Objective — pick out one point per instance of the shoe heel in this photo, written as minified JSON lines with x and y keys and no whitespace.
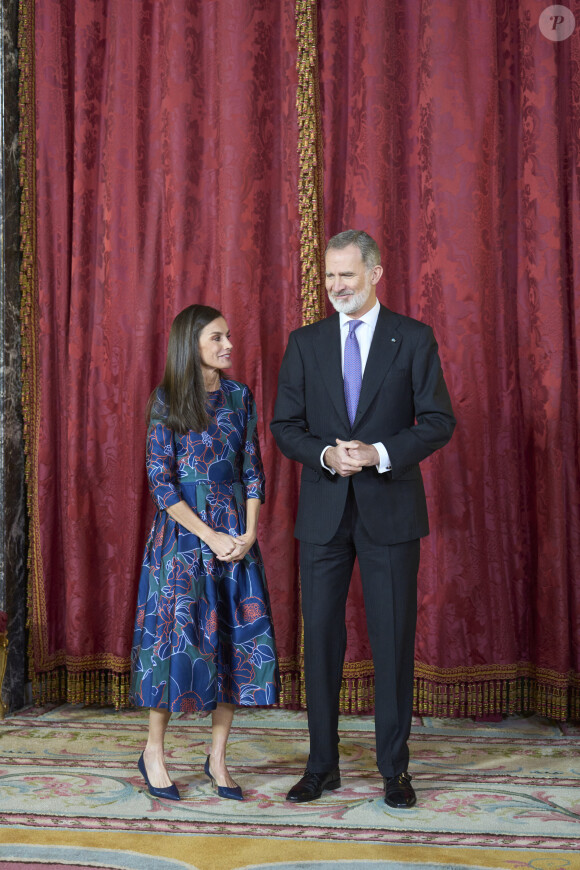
{"x":334,"y":783}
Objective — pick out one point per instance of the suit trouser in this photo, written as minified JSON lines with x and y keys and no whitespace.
{"x":389,"y":582}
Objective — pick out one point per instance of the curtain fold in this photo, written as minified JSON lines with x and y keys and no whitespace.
{"x":176,"y":152}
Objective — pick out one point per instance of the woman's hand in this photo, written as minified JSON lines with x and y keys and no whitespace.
{"x":225,"y":547}
{"x":245,"y":543}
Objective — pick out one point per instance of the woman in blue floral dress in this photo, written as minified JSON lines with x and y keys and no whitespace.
{"x":203,"y":631}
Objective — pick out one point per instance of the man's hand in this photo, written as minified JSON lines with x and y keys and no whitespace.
{"x":338,"y":458}
{"x":364,"y":454}
{"x":348,"y":457}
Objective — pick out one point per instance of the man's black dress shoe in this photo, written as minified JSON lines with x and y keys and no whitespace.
{"x":399,"y":792}
{"x":311,"y":786}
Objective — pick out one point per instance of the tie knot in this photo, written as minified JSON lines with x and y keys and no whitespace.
{"x":353,"y":326}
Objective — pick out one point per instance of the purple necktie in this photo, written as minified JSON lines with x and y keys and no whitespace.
{"x":352,"y":370}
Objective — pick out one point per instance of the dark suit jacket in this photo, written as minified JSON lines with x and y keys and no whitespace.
{"x":403,"y":402}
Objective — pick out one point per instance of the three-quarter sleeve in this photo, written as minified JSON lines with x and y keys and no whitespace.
{"x":162,"y":465}
{"x":253,"y":476}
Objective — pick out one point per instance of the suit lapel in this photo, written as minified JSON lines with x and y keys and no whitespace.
{"x":328,"y":355}
{"x":384,"y":348}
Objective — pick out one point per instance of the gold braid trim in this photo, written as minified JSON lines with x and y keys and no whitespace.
{"x":28,"y":311}
{"x":310,"y":182}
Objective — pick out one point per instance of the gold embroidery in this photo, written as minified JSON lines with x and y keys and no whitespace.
{"x":310,"y":182}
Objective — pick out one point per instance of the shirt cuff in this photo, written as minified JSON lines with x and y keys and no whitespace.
{"x":384,"y":460}
{"x":332,"y":471}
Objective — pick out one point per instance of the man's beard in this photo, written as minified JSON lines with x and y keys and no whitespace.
{"x":350,"y":304}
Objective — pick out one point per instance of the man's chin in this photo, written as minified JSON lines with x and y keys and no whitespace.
{"x":349,"y":305}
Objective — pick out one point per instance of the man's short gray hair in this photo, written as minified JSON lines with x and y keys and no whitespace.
{"x":369,"y":250}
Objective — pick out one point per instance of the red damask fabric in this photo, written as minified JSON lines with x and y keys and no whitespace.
{"x":166,"y":175}
{"x":452,"y":135}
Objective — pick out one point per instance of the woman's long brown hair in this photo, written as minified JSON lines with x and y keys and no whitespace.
{"x":182,"y":391}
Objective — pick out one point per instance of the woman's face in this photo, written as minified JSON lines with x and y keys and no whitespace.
{"x":215,"y":346}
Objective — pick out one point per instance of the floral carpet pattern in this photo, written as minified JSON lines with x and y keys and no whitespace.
{"x":505,"y":792}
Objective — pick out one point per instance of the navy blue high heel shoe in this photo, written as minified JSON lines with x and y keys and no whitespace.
{"x":234,"y":794}
{"x":171,"y":793}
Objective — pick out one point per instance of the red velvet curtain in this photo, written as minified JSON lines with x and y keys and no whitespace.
{"x":166,"y":175}
{"x":452,"y":134}
{"x":167,"y":172}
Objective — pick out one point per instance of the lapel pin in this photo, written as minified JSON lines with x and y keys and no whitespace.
{"x":393,"y":339}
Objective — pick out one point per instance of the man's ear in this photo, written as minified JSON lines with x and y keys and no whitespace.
{"x":376,"y":274}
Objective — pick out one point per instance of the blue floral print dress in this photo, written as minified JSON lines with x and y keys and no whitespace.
{"x":203,"y":630}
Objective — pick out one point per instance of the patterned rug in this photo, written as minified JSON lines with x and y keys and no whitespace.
{"x":489,"y":795}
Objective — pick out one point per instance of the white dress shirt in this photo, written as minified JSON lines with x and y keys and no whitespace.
{"x":364,"y":334}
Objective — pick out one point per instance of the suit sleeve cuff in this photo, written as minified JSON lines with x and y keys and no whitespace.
{"x":332,"y":471}
{"x":384,"y":460}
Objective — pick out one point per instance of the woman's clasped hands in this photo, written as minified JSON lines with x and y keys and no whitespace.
{"x":230,"y":548}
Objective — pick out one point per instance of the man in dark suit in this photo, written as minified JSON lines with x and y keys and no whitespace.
{"x":361,"y":401}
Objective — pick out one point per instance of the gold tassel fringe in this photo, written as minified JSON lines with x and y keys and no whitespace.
{"x":88,"y":687}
